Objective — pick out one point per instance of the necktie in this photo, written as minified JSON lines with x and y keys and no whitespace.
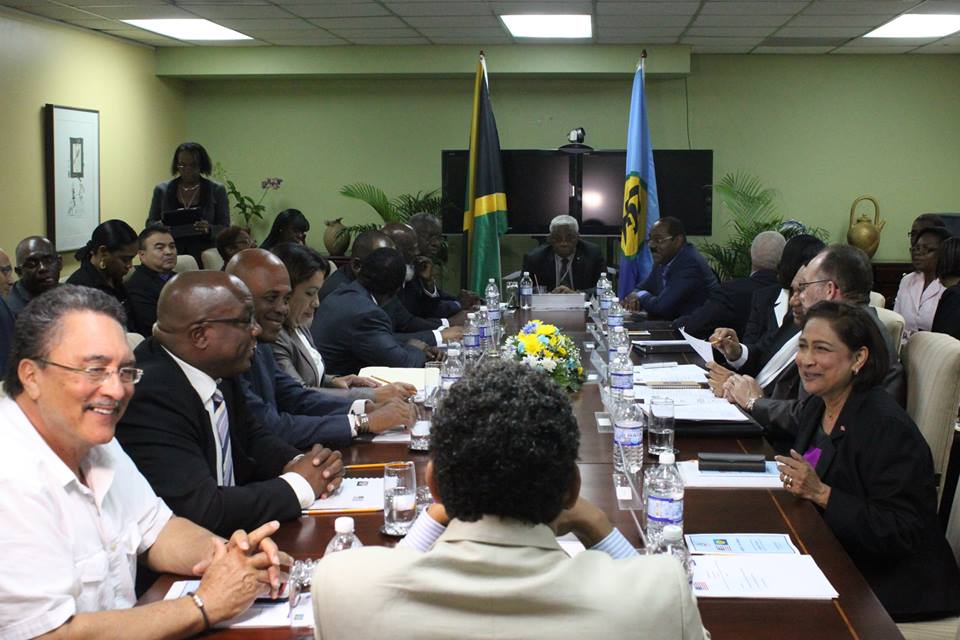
{"x":565,"y":273}
{"x":221,"y":422}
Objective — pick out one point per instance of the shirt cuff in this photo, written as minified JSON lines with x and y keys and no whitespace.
{"x":642,"y":295}
{"x":358,"y":407}
{"x":444,"y":323}
{"x":301,"y":488}
{"x":615,"y":546}
{"x":423,"y":533}
{"x":438,"y":337}
{"x":742,"y":360}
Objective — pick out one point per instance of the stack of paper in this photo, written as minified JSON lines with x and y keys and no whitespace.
{"x":693,"y":404}
{"x":760,"y":576}
{"x":416,"y":377}
{"x":681,"y":373}
{"x":397,"y":434}
{"x":693,"y":477}
{"x":355,"y":495}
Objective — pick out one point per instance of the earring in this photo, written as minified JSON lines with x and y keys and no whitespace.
{"x":103,"y":264}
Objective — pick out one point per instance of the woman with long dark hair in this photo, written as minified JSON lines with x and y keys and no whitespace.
{"x":290,"y":225}
{"x":106,"y":259}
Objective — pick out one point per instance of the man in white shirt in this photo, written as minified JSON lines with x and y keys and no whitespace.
{"x":79,"y":514}
{"x":487,"y":563}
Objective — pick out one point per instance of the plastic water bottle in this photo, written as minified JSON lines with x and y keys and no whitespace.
{"x":452,"y":368}
{"x":672,"y":543}
{"x":492,"y":295}
{"x":663,"y":497}
{"x":345,"y":538}
{"x":602,"y":285}
{"x":618,"y":338}
{"x":471,"y":340}
{"x":526,"y":291}
{"x":628,"y":438}
{"x":603,"y":294}
{"x":614,"y":314}
{"x":621,"y":376}
{"x":484,"y":329}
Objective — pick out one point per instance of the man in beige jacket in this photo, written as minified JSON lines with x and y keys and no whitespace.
{"x":484,"y":562}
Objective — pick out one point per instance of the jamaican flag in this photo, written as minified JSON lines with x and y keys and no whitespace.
{"x":485,"y":212}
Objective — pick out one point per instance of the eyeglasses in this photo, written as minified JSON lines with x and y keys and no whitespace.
{"x":34,"y":262}
{"x":659,"y":241}
{"x":99,"y":375}
{"x":923,"y":249}
{"x":802,"y":286}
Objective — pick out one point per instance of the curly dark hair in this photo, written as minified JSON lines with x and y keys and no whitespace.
{"x":504,"y":443}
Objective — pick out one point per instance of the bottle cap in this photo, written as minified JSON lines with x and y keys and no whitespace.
{"x":667,"y":457}
{"x":483,"y":307}
{"x":526,"y":273}
{"x":672,"y":532}
{"x":343,"y":524}
{"x":615,"y":299}
{"x":491,"y":281}
{"x":471,"y":316}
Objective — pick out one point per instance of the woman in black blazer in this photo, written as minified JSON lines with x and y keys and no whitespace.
{"x":106,"y":259}
{"x":868,"y":469}
{"x":947,"y":318}
{"x":192,"y":190}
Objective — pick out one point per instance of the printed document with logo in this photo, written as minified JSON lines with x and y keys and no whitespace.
{"x":794,"y":577}
{"x":355,"y":495}
{"x":262,"y":613}
{"x":740,"y":543}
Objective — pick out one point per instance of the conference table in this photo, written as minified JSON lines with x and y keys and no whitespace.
{"x":855,"y":614}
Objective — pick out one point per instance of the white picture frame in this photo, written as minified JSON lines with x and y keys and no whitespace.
{"x":72,"y":159}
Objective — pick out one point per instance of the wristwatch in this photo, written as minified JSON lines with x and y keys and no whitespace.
{"x":363,"y":423}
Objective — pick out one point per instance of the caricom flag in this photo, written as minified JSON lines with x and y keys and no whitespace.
{"x":641,"y":208}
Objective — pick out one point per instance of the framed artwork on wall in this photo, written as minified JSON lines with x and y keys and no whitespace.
{"x":72,"y":165}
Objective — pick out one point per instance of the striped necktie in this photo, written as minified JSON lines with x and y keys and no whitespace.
{"x":222,"y":423}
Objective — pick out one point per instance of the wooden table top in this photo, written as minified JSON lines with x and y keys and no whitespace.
{"x":856,"y":614}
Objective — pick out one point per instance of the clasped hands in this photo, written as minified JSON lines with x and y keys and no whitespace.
{"x":239,"y":570}
{"x":801,"y":479}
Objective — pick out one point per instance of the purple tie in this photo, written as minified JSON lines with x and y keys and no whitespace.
{"x":222,"y":423}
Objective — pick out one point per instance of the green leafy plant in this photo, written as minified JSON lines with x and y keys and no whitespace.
{"x":751,"y":208}
{"x":247,"y":207}
{"x":398,"y":209}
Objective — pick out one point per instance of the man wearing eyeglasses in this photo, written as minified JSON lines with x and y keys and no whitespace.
{"x":188,"y":427}
{"x":681,"y":280}
{"x":81,"y":515}
{"x":38,"y":267}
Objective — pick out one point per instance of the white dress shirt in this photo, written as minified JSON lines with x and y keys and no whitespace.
{"x":205,"y":386}
{"x":916,"y":304}
{"x":72,"y":547}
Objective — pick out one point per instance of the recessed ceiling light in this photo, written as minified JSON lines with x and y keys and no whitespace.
{"x":918,"y":26}
{"x":548,"y":26}
{"x":189,"y":29}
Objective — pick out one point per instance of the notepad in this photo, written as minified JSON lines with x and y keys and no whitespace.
{"x":397,"y":434}
{"x":356,"y":494}
{"x":414,"y":376}
{"x":792,"y":577}
{"x":260,"y":614}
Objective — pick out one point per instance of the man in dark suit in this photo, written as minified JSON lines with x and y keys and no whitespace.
{"x":406,"y":326}
{"x":729,"y":305}
{"x":188,"y":428}
{"x":681,"y":280}
{"x":839,"y":272}
{"x":566,"y":263}
{"x":158,"y":257}
{"x":424,"y":289}
{"x":353,"y":329}
{"x":770,"y":305}
{"x":301,"y":416}
{"x":38,"y":267}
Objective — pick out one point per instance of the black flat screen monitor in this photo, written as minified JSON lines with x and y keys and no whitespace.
{"x":537,"y":184}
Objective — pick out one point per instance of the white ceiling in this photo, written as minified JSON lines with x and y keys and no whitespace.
{"x":709,"y":26}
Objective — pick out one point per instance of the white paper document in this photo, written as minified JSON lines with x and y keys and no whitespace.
{"x":571,"y":544}
{"x":693,"y":404}
{"x":260,"y":614}
{"x":693,"y":477}
{"x":679,"y":373}
{"x":794,"y":577}
{"x":660,"y":343}
{"x":416,"y":377}
{"x":740,"y":543}
{"x":397,"y":434}
{"x":702,"y":347}
{"x":355,"y":493}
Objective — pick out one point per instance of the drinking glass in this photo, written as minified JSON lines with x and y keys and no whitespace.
{"x":511,"y":289}
{"x":420,"y":432}
{"x":660,"y":429}
{"x":399,"y":497}
{"x":431,"y":383}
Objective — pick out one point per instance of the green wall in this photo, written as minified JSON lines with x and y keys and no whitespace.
{"x":821,"y":129}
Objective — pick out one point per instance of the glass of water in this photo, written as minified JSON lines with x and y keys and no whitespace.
{"x":420,"y":432}
{"x":660,"y":426}
{"x":511,"y":290}
{"x":399,"y":497}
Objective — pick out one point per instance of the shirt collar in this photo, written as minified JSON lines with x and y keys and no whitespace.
{"x":204,"y":385}
{"x":501,"y":531}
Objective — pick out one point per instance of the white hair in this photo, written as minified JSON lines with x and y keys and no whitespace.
{"x":564,"y":221}
{"x":765,"y":250}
